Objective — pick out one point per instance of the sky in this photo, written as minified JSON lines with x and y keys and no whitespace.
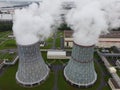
{"x":20,"y":0}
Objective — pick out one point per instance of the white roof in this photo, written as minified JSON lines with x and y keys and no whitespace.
{"x":56,"y":53}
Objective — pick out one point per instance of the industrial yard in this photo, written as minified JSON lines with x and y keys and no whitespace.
{"x":7,"y":73}
{"x":60,"y":45}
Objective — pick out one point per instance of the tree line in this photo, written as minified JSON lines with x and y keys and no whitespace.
{"x":6,"y":25}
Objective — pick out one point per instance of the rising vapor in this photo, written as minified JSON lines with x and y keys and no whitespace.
{"x":35,"y":22}
{"x":90,"y":18}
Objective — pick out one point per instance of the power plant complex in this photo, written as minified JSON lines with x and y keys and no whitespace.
{"x":80,"y":69}
{"x":32,"y":69}
{"x":61,"y":45}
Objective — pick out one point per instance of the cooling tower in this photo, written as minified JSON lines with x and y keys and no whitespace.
{"x":80,"y":69}
{"x":32,"y":69}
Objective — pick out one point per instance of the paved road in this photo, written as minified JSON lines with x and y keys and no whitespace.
{"x":54,"y":40}
{"x":56,"y":69}
{"x":8,"y":50}
{"x":61,"y":42}
{"x":2,"y":70}
{"x":15,"y":50}
{"x":102,"y":81}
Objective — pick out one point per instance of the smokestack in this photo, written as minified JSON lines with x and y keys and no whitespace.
{"x":80,"y":69}
{"x":31,"y":70}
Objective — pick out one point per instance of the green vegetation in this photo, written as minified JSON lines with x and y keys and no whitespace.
{"x":63,"y":85}
{"x":7,"y":56}
{"x":48,"y":46}
{"x":8,"y":82}
{"x":106,"y":88}
{"x":104,"y":69}
{"x":64,"y":27}
{"x":5,"y":41}
{"x":5,"y":26}
{"x":8,"y":44}
{"x":114,"y":49}
{"x":118,"y":72}
{"x":49,"y":41}
{"x":4,"y":34}
{"x":58,"y":41}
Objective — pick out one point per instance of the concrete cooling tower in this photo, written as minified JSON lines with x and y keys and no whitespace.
{"x":80,"y":69}
{"x":32,"y":69}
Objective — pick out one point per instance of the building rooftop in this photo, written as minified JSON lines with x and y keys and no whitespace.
{"x":56,"y":52}
{"x":115,"y":83}
{"x":111,"y":34}
{"x":68,"y":33}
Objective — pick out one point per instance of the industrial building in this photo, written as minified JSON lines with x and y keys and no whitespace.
{"x":56,"y":54}
{"x":113,"y":82}
{"x":105,"y":41}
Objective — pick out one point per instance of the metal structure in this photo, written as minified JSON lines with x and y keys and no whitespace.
{"x":32,"y":69}
{"x":80,"y":69}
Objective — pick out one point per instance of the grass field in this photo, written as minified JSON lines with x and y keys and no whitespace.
{"x":5,"y":34}
{"x":8,"y":82}
{"x":118,"y":72}
{"x":5,"y":41}
{"x":49,"y":41}
{"x":8,"y":56}
{"x":8,"y":44}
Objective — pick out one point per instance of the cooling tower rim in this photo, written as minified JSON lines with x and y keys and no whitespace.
{"x":83,"y":45}
{"x":32,"y":83}
{"x":28,"y":44}
{"x":78,"y":84}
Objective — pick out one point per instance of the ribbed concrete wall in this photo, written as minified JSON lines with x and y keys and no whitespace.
{"x":31,"y":69}
{"x":80,"y":69}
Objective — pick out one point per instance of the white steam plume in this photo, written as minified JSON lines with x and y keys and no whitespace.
{"x":25,"y":25}
{"x":112,"y":8}
{"x":52,"y":7}
{"x":87,"y":22}
{"x":35,"y":23}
